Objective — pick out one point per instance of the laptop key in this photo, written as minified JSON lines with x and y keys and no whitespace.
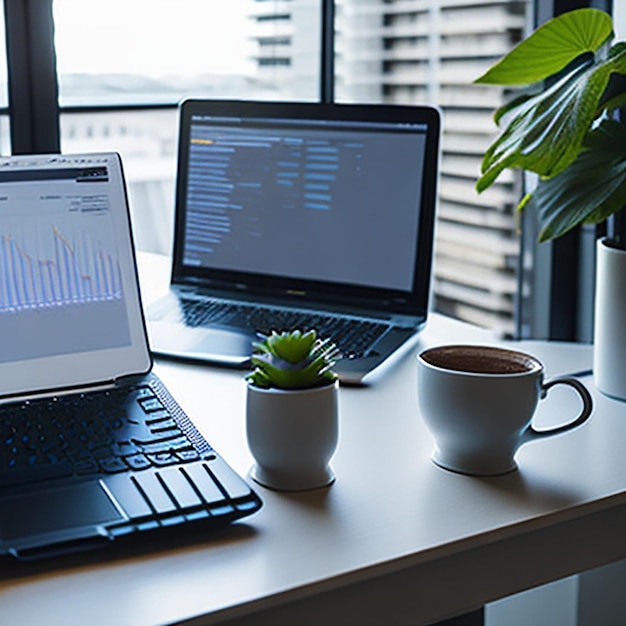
{"x":124,"y":490}
{"x":161,"y":459}
{"x":180,"y":488}
{"x":188,"y":454}
{"x":112,"y":465}
{"x":168,"y":445}
{"x":169,"y":435}
{"x":153,"y":491}
{"x":88,"y":466}
{"x":137,"y":461}
{"x":203,"y":482}
{"x":230,"y":481}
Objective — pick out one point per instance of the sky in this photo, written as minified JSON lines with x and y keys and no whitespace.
{"x":160,"y":38}
{"x":152,"y":37}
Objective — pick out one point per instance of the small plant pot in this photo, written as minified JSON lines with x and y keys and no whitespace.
{"x":292,"y":435}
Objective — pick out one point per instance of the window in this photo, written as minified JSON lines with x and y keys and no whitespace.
{"x":188,"y":48}
{"x":119,"y":75}
{"x":275,"y":62}
{"x":274,"y":41}
{"x":150,"y":51}
{"x":275,"y":17}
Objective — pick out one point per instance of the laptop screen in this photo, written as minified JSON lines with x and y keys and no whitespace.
{"x":307,"y":196}
{"x":69,"y":306}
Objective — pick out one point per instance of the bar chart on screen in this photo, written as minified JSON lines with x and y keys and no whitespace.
{"x":55,"y":269}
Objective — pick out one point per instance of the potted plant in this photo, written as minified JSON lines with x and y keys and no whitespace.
{"x":292,"y":410}
{"x":568,"y":131}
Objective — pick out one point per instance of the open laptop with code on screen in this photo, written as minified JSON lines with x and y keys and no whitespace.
{"x":93,"y":448}
{"x":300,"y":215}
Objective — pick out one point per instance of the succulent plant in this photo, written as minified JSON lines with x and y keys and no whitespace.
{"x":293,"y":360}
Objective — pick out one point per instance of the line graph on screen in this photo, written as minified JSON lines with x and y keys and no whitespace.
{"x":55,"y":269}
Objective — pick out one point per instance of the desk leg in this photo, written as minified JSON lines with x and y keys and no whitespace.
{"x":475,"y":618}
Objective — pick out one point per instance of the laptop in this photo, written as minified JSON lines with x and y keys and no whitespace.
{"x":93,"y":448}
{"x":300,"y":215}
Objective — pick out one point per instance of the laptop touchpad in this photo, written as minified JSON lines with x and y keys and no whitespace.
{"x":56,"y":510}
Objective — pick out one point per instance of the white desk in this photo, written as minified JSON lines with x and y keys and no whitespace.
{"x":396,"y":540}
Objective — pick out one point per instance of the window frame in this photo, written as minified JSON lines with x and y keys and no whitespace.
{"x":31,"y":70}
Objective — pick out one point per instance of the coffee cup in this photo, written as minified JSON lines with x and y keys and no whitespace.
{"x":479,"y":401}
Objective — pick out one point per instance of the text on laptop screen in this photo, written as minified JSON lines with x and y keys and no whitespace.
{"x":339,"y":200}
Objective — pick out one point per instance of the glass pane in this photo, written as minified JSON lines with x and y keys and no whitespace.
{"x":161,"y":51}
{"x":165,"y":50}
{"x":146,"y":141}
{"x":414,"y":52}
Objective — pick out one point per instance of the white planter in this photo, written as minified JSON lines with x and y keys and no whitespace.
{"x":609,"y":356}
{"x":292,"y":435}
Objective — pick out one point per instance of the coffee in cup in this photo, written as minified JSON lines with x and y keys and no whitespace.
{"x":479,"y":401}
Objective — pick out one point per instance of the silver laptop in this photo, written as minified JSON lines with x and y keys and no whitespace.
{"x":92,"y":446}
{"x":300,"y":215}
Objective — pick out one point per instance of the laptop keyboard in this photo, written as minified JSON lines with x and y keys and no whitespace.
{"x":107,"y":432}
{"x":352,"y":336}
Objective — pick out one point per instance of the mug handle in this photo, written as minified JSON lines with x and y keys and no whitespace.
{"x":531,"y":433}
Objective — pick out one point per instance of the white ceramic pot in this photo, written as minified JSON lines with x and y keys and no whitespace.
{"x":292,"y":435}
{"x":609,"y":355}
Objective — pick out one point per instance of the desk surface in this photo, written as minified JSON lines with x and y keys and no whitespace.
{"x":396,"y":540}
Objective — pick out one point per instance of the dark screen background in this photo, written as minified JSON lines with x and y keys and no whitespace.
{"x":318,"y":204}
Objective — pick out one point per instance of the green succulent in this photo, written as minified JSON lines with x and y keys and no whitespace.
{"x":293,"y":360}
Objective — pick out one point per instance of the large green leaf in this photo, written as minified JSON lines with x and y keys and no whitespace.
{"x":589,"y":191}
{"x":544,"y":133}
{"x":551,"y":47}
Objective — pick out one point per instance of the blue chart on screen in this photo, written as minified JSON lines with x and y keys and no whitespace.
{"x":63,"y":272}
{"x":61,"y":288}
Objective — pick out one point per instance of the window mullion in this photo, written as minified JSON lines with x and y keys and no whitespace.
{"x":32,"y":80}
{"x":327,"y":52}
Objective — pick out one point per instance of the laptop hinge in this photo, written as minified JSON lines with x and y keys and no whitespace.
{"x":65,"y":391}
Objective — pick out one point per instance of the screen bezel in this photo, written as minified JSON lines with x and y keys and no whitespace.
{"x":413,"y":302}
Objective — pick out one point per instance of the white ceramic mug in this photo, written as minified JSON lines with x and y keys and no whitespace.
{"x":478,"y":402}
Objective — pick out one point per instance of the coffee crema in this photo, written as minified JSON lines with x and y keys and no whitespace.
{"x":480,"y":360}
